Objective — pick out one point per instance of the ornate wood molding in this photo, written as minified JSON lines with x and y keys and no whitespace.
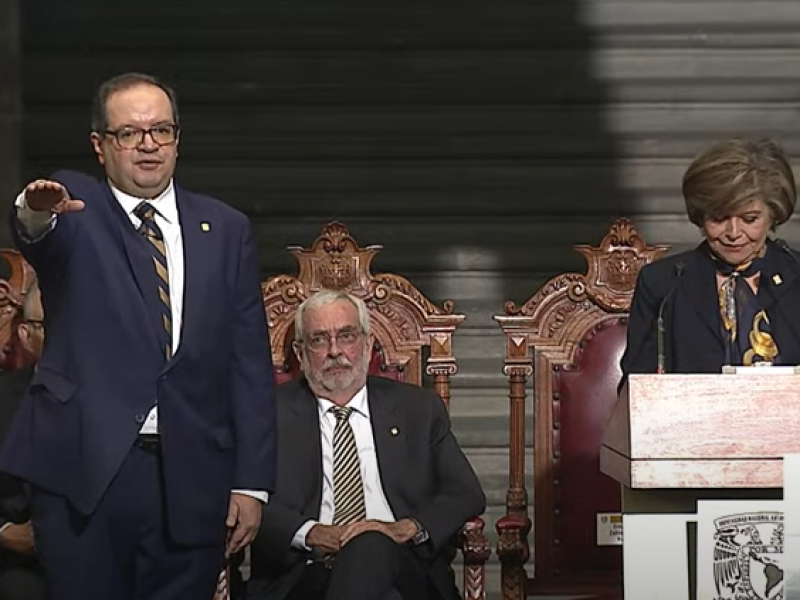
{"x":403,"y":319}
{"x":475,"y":548}
{"x":12,"y":295}
{"x":547,"y":318}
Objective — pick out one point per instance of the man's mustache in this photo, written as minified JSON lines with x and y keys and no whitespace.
{"x":339,"y":361}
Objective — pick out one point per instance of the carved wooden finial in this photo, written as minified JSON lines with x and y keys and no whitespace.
{"x":335,"y":261}
{"x":403,"y":318}
{"x":612,"y":267}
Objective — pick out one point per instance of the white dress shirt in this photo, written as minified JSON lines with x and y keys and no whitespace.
{"x":377,"y":506}
{"x":37,"y":224}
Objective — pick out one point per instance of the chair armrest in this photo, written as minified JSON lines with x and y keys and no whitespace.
{"x":473,"y":543}
{"x":512,"y":546}
{"x":475,"y":548}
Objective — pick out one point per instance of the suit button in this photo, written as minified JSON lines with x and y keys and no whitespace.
{"x":140,"y":419}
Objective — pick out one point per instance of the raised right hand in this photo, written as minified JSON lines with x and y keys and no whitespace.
{"x":324,"y":538}
{"x":50,"y":196}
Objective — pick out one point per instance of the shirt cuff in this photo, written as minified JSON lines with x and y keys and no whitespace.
{"x":257,"y":494}
{"x":299,"y":539}
{"x":35,"y":224}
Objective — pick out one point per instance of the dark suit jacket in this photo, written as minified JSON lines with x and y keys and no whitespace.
{"x":102,"y":368}
{"x":693,"y":340}
{"x":14,"y":497}
{"x":423,"y":472}
{"x":14,"y":493}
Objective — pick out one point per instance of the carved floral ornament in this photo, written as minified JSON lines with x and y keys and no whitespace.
{"x":21,"y":276}
{"x":9,"y":298}
{"x":336,"y":261}
{"x":610,"y":278}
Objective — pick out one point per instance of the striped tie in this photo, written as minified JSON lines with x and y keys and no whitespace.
{"x":152,"y":232}
{"x":348,"y":491}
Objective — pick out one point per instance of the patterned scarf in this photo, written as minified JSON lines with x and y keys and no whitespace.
{"x":745,"y":325}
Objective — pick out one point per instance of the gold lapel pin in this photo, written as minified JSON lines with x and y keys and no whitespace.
{"x":205,"y":226}
{"x":776,"y":279}
{"x":394,"y":431}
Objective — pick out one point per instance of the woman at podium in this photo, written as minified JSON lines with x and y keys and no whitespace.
{"x":735,"y":298}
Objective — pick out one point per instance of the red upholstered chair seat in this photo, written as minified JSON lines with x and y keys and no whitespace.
{"x":583,"y":396}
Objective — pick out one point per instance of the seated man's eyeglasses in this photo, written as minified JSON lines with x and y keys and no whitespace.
{"x":345,"y":338}
{"x":128,"y":138}
{"x":39,"y":323}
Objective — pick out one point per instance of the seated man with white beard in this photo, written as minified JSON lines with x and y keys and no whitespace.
{"x":372,"y":486}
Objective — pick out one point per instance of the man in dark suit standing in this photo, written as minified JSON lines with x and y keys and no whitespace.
{"x":371,"y":486}
{"x":21,"y":576}
{"x":148,"y":431}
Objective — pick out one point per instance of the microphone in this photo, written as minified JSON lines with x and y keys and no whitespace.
{"x":660,"y":360}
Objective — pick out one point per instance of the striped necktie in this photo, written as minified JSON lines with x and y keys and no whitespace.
{"x":348,"y":491}
{"x":152,"y":233}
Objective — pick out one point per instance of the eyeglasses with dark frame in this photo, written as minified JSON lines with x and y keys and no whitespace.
{"x":128,"y":138}
{"x":345,"y":338}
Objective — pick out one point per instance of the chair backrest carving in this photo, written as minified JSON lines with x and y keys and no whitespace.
{"x":16,"y":276}
{"x":570,"y":336}
{"x":413,"y":338}
{"x":413,"y":335}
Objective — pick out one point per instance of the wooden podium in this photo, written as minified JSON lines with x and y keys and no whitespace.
{"x":675,"y":439}
{"x":695,"y":432}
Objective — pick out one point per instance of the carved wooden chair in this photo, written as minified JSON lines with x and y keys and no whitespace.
{"x":413,"y":338}
{"x":16,"y":276}
{"x":570,"y":335}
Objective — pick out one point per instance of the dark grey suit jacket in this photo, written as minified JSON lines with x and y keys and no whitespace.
{"x":424,"y":475}
{"x":14,"y":495}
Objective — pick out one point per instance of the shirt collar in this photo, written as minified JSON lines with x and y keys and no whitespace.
{"x":358,"y":403}
{"x":165,"y":203}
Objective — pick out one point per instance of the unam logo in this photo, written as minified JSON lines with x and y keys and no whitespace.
{"x":748,"y":553}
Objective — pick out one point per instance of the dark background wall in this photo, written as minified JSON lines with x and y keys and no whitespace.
{"x":402,"y":119}
{"x":10,"y":97}
{"x":476,"y":140}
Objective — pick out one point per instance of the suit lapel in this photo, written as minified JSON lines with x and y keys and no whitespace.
{"x":140,"y":267}
{"x":779,"y":279}
{"x":302,"y":431}
{"x":389,"y":433}
{"x":700,"y":288}
{"x":195,"y":271}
